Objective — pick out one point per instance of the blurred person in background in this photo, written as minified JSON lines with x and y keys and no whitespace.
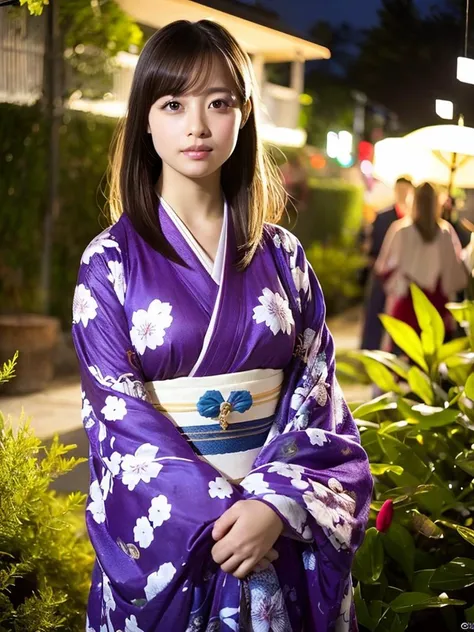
{"x":375,"y":296}
{"x":450,"y":213}
{"x":422,"y":249}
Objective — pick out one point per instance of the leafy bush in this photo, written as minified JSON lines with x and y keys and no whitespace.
{"x":85,"y":141}
{"x":419,"y":438}
{"x":45,"y":555}
{"x":23,"y":194}
{"x":337,"y":269}
{"x":333,"y":215}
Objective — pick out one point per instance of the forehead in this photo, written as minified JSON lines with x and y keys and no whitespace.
{"x":208,"y":74}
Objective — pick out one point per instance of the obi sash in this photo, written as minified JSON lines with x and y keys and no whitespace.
{"x":225,"y":418}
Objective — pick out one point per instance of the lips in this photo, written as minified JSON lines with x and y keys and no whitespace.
{"x":198,"y":152}
{"x":197,"y":149}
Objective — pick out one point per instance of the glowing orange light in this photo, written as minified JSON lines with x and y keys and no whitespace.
{"x":318,"y":161}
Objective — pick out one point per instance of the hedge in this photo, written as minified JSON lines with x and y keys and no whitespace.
{"x":23,"y":193}
{"x":333,"y":215}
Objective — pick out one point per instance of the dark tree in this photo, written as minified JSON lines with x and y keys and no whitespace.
{"x":407,"y":61}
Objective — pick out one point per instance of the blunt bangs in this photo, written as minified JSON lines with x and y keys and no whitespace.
{"x":169,"y":71}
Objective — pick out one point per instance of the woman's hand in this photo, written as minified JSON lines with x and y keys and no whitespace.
{"x":245,"y":535}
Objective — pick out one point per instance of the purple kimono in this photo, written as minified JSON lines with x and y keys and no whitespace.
{"x":140,"y":318}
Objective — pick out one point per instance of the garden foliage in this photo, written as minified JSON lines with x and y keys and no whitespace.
{"x":45,"y":556}
{"x":418,"y":550}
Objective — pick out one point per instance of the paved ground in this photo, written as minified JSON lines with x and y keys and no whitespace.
{"x":57,"y":409}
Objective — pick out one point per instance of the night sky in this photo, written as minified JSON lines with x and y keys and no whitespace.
{"x":299,"y":14}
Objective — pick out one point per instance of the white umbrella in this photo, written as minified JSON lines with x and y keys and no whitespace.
{"x":443,"y":154}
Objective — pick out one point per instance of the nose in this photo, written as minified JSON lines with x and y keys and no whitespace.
{"x":197,"y":125}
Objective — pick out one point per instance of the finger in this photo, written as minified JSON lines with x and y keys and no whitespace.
{"x":272,"y":555}
{"x":232,"y":564}
{"x":263,"y":565}
{"x":221,"y":552}
{"x":225,"y":522}
{"x":266,"y":561}
{"x":245,"y":568}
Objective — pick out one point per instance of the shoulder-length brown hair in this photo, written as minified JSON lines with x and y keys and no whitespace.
{"x":425,"y":212}
{"x":175,"y":59}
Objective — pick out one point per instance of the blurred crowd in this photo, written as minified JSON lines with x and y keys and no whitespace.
{"x":419,"y":240}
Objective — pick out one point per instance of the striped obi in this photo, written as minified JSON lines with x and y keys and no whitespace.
{"x":226,"y":418}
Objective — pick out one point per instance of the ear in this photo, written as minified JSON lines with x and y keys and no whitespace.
{"x":148,"y":129}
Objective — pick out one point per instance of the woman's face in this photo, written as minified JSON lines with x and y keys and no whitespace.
{"x":195,"y":133}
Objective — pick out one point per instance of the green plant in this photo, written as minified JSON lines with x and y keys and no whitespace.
{"x":419,"y":439}
{"x":333,"y":215}
{"x":45,"y":555}
{"x":337,"y":270}
{"x":23,"y":189}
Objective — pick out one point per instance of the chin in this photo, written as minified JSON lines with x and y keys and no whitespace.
{"x":199,"y":170}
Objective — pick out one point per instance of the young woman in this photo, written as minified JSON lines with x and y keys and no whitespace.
{"x":229,"y":490}
{"x":425,"y":250}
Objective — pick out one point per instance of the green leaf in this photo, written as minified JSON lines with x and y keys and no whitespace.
{"x":421,"y":580}
{"x":457,"y":574}
{"x":462,"y":312}
{"x":428,"y":416}
{"x":376,"y":607}
{"x":467,"y":534}
{"x":469,"y":614}
{"x":469,"y":388}
{"x":406,"y":338}
{"x":399,"y":545}
{"x":401,"y":454}
{"x":392,"y":622}
{"x":408,"y":491}
{"x":460,"y":366}
{"x":368,"y":561}
{"x":391,"y":361}
{"x":35,"y":7}
{"x":377,"y":469}
{"x":363,"y":615}
{"x":466,"y":462}
{"x":411,"y":601}
{"x":350,"y":372}
{"x":380,"y":375}
{"x":383,"y":402}
{"x":451,"y":348}
{"x":370,"y":443}
{"x":429,"y":320}
{"x":396,"y":426}
{"x":420,"y":385}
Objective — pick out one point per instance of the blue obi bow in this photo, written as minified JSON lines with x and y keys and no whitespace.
{"x":213,"y":405}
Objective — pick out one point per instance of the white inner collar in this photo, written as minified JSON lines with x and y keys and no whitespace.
{"x":214,"y":268}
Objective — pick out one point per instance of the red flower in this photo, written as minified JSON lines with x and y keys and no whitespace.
{"x":385,"y":516}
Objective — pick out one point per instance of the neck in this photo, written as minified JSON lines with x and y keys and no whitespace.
{"x":193,"y":200}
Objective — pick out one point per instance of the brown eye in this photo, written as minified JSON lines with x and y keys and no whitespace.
{"x":173,"y":106}
{"x":219,"y":104}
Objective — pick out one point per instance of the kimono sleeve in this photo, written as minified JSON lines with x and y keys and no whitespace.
{"x":313,"y":471}
{"x":138,"y":459}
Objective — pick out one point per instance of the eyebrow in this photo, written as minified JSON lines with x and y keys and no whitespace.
{"x":213,"y":90}
{"x":217,"y":89}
